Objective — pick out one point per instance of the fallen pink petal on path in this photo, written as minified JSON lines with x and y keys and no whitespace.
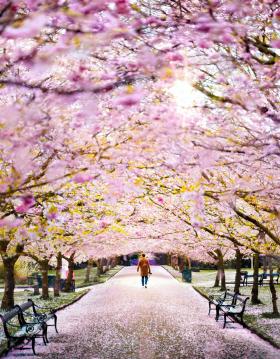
{"x":120,"y":319}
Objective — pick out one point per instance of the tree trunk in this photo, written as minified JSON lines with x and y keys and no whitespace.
{"x":36,"y":289}
{"x":89,"y":267}
{"x":238,"y":271}
{"x":99,"y":267}
{"x":255,"y":288}
{"x":114,"y":262}
{"x":56,"y":288}
{"x":104,"y":265}
{"x":217,"y":280}
{"x":168,"y":259}
{"x":9,"y":280}
{"x":98,"y":272}
{"x":70,"y":274}
{"x":181,"y":263}
{"x":223,"y":277}
{"x":109,"y":261}
{"x":44,"y":264}
{"x":275,"y":310}
{"x":221,"y":269}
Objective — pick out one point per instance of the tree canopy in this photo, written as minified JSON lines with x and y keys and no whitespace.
{"x":139,"y":125}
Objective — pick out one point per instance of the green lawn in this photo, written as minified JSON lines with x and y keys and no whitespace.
{"x":94,"y":279}
{"x":79,"y":277}
{"x":52,"y":302}
{"x":257,"y":316}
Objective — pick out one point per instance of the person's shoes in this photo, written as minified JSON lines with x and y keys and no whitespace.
{"x":145,"y":286}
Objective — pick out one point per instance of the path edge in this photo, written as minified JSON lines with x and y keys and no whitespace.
{"x":172,"y":275}
{"x":74,"y":301}
{"x":90,"y":286}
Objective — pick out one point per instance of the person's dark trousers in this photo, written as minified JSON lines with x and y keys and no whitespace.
{"x":144,"y":280}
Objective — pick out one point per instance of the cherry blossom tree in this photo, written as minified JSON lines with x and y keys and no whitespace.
{"x":98,"y":159}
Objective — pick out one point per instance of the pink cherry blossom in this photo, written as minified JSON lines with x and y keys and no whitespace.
{"x":27,"y":202}
{"x":30,"y":28}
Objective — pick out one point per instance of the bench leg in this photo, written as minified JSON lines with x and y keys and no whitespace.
{"x":225,"y":320}
{"x":209,"y":308}
{"x":55,"y":323}
{"x":33,"y":345}
{"x":44,"y":340}
{"x":45,"y":334}
{"x":217,"y":313}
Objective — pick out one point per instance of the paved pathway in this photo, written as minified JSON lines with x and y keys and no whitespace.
{"x":122,"y":320}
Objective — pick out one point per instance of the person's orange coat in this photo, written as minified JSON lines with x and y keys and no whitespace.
{"x":144,"y":267}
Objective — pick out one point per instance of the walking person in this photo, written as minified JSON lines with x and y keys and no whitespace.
{"x":145,"y":269}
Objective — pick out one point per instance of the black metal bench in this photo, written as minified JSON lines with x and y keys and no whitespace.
{"x":267,"y":276}
{"x":17,"y":331}
{"x":235,"y":310}
{"x":261,"y":278}
{"x":215,"y":301}
{"x":32,"y":313}
{"x":247,"y":276}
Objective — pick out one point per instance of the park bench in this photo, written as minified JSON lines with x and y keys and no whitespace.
{"x":17,"y":331}
{"x":216,"y":301}
{"x":234,"y":310}
{"x":261,"y":277}
{"x":245,"y":276}
{"x":32,"y":313}
{"x":267,"y":276}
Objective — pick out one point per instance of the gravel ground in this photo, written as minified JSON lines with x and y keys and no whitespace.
{"x":122,"y":320}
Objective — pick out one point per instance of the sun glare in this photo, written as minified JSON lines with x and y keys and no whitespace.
{"x":184,"y":94}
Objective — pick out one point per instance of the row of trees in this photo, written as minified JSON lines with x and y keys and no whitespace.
{"x":98,"y":159}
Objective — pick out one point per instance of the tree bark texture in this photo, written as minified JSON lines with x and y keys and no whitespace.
{"x":88,"y":270}
{"x":217,"y":279}
{"x":9,"y":282}
{"x":238,"y":271}
{"x":255,"y":288}
{"x":44,"y":265}
{"x":221,"y":268}
{"x":56,"y":289}
{"x":70,"y":274}
{"x":275,"y":310}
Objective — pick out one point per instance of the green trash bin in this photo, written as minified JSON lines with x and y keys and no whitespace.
{"x":187,"y":275}
{"x":51,"y":280}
